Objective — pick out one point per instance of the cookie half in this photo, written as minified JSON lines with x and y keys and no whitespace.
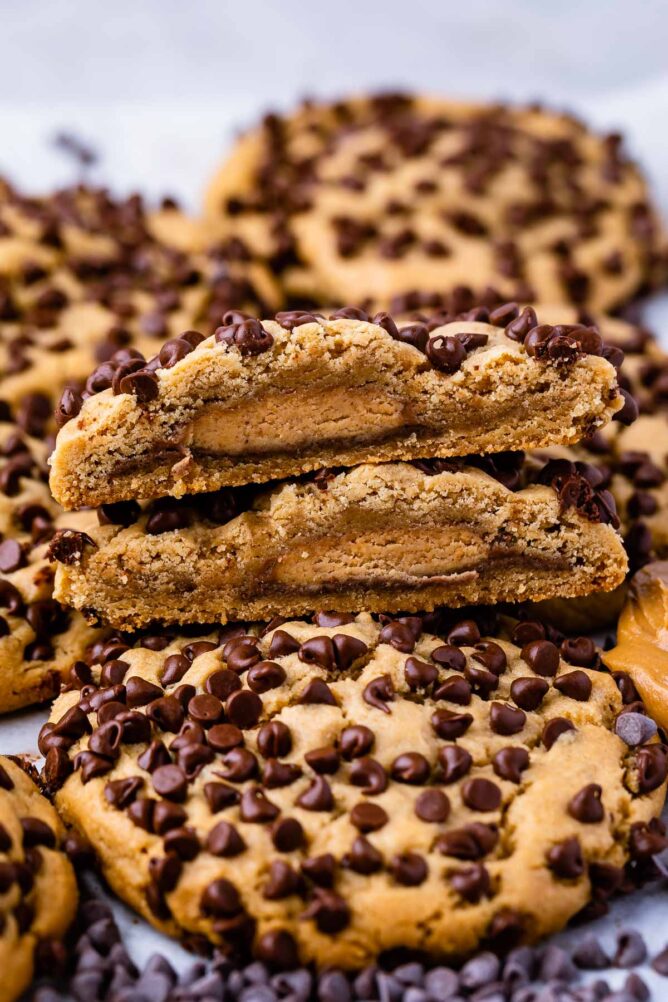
{"x":38,"y":889}
{"x":283,"y":791}
{"x":262,"y":400}
{"x":385,"y":537}
{"x":390,"y":197}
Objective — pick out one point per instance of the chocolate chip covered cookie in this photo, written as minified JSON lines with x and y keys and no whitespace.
{"x":38,"y":890}
{"x":390,"y":197}
{"x":284,"y":790}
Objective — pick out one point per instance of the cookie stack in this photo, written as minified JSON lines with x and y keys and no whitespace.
{"x":310,"y":481}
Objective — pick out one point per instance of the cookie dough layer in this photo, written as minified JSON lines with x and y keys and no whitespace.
{"x":39,"y":639}
{"x":38,"y":895}
{"x":349,"y":770}
{"x":383,"y":198}
{"x":326,"y":392}
{"x":386,"y":536}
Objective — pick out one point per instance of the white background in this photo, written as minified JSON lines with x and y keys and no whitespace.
{"x":159,"y":88}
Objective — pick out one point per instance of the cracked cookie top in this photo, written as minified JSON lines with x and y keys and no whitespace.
{"x":284,"y":789}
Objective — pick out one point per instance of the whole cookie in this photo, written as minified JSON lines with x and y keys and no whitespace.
{"x":388,"y":197}
{"x":38,"y":890}
{"x":288,"y":790}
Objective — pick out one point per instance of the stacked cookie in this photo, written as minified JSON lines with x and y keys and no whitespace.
{"x":308,"y":396}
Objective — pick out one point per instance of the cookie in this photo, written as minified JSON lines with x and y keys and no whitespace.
{"x":83,"y":274}
{"x":38,"y":890}
{"x":380,"y":537}
{"x":390,"y":197}
{"x":284,"y":791}
{"x":270,"y":399}
{"x":39,"y":638}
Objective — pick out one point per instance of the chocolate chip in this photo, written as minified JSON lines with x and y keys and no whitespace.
{"x":634,"y":728}
{"x":205,"y":709}
{"x":510,"y":763}
{"x":554,"y":729}
{"x":174,"y":669}
{"x":506,"y":719}
{"x":220,"y":796}
{"x":465,"y":633}
{"x":472,"y":883}
{"x":224,"y":737}
{"x":220,"y":899}
{"x":248,"y":336}
{"x":449,"y":725}
{"x":356,"y":741}
{"x":318,"y":796}
{"x":363,"y":857}
{"x":120,"y":793}
{"x":579,"y":651}
{"x":287,"y":835}
{"x":631,"y":949}
{"x":274,"y":739}
{"x":565,"y":859}
{"x":455,"y":762}
{"x":222,"y":683}
{"x":448,"y":656}
{"x":457,"y":689}
{"x":329,"y":911}
{"x":282,"y":644}
{"x":324,"y":761}
{"x":11,"y":556}
{"x":142,"y":384}
{"x":140,"y":692}
{"x":471,"y":841}
{"x":319,"y":651}
{"x":265,"y":675}
{"x":529,"y":692}
{"x":542,"y":656}
{"x":432,"y":806}
{"x":238,"y":765}
{"x":419,"y":674}
{"x":256,"y":808}
{"x":651,"y":764}
{"x":169,"y":781}
{"x":368,"y":774}
{"x":379,"y":692}
{"x":368,"y":817}
{"x":411,"y":767}
{"x":398,"y":635}
{"x":481,"y":794}
{"x":224,"y":840}
{"x":446,"y":353}
{"x":575,"y":684}
{"x":585,"y":806}
{"x":243,"y":709}
{"x":409,"y":869}
{"x":317,"y":692}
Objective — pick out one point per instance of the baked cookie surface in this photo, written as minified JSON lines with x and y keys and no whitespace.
{"x":270,"y":399}
{"x":286,"y":790}
{"x":38,"y":890}
{"x":383,"y":198}
{"x":381,"y":537}
{"x":40,"y":639}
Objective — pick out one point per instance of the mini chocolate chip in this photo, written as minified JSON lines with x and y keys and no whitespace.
{"x":529,"y":692}
{"x":455,"y":762}
{"x":586,"y":806}
{"x":219,"y":796}
{"x":287,"y":835}
{"x":432,"y":806}
{"x":554,"y":729}
{"x":356,"y":741}
{"x":256,"y":808}
{"x":224,"y":840}
{"x":575,"y":684}
{"x":243,"y":709}
{"x":317,"y":692}
{"x":472,"y":882}
{"x":368,"y":817}
{"x":510,"y":763}
{"x":542,"y":656}
{"x":411,"y":767}
{"x":481,"y":794}
{"x":409,"y":869}
{"x":169,"y":781}
{"x":565,"y":859}
{"x":317,"y":796}
{"x":449,"y":725}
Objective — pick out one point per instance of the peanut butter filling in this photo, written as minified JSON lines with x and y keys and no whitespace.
{"x":276,"y":422}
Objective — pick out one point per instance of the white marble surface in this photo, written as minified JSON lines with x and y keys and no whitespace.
{"x":160,"y":86}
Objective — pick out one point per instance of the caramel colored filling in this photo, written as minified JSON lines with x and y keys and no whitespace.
{"x":429,"y":555}
{"x":274,"y":423}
